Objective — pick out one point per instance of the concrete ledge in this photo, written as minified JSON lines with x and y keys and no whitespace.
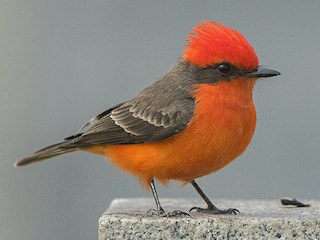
{"x":127,"y":219}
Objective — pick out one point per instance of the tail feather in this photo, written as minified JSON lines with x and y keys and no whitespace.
{"x":47,"y":152}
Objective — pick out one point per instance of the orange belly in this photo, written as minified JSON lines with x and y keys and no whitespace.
{"x":220,"y":130}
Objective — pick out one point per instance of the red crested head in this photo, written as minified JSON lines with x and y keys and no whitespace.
{"x":212,"y":43}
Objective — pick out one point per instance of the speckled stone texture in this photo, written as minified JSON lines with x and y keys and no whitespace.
{"x":128,"y":219}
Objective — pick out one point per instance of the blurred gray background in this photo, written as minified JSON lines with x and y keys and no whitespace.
{"x":63,"y":62}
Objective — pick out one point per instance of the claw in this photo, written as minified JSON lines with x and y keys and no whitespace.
{"x":211,"y":209}
{"x":214,"y":210}
{"x":232,"y":211}
{"x":195,"y":208}
{"x":162,"y":213}
{"x":177,"y":213}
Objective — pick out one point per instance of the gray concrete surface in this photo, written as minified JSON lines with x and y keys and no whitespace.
{"x":128,"y":219}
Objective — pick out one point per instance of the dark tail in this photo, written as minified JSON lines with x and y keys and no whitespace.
{"x":48,"y":152}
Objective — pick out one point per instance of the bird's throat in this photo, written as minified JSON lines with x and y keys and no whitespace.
{"x":236,"y":93}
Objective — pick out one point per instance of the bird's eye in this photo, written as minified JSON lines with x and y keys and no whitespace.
{"x":224,"y":68}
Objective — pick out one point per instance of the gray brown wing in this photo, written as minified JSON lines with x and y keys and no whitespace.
{"x":121,"y":127}
{"x":158,"y":112}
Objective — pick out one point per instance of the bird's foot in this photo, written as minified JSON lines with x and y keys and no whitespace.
{"x":162,"y":213}
{"x":215,"y":210}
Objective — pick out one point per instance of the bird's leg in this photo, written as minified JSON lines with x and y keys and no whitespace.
{"x":159,"y":211}
{"x":212,"y":209}
{"x":156,"y":198}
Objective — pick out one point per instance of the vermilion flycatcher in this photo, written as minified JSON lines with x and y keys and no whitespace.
{"x":192,"y":121}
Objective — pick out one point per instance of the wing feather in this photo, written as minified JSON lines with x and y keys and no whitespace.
{"x":158,"y":112}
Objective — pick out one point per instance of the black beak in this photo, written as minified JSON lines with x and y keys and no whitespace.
{"x":262,"y":72}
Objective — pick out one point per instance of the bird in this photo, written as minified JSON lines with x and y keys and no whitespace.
{"x":192,"y":121}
